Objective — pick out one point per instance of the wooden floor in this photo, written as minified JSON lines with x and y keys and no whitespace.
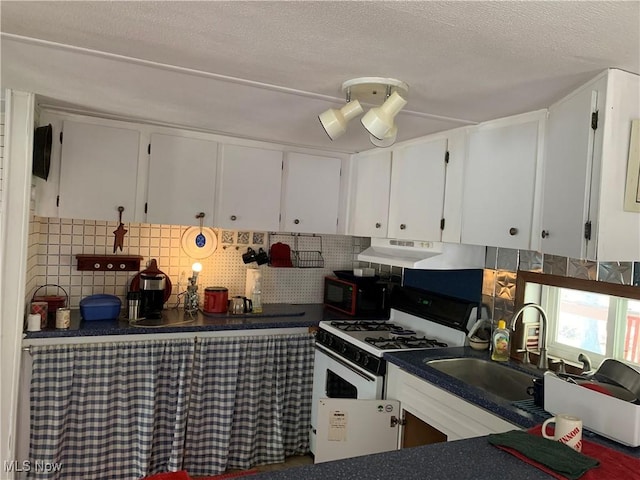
{"x":288,"y":463}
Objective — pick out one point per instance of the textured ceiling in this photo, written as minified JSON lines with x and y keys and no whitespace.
{"x":265,"y":70}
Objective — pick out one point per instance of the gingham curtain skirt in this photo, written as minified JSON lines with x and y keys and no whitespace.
{"x":124,"y":410}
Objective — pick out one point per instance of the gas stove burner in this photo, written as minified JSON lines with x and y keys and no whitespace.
{"x":363,"y":326}
{"x":397,"y":331}
{"x":404,"y":342}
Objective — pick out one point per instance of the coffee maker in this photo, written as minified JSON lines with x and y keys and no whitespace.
{"x":152,"y":288}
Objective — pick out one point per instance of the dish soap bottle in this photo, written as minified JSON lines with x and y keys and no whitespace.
{"x":256,"y":297}
{"x":500,"y":343}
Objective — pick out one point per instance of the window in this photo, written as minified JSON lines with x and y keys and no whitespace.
{"x":597,"y":324}
{"x":596,"y":318}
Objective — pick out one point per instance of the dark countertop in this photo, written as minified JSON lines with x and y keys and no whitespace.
{"x":275,"y":315}
{"x":472,"y":459}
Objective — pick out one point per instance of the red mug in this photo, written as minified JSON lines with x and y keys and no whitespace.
{"x":215,"y":299}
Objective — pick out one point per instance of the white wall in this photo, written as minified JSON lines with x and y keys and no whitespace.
{"x":14,"y":226}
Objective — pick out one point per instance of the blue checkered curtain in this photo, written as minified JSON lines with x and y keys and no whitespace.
{"x":110,"y":410}
{"x":250,"y":402}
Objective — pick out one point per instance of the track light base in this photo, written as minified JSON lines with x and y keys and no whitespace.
{"x":374,"y":90}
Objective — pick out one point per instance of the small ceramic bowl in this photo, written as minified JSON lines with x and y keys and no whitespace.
{"x":478,"y":344}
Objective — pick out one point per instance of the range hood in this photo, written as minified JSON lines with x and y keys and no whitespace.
{"x":423,"y":255}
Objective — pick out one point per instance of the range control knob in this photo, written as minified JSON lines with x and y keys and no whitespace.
{"x":358,"y":357}
{"x":343,"y":348}
{"x":365,"y":361}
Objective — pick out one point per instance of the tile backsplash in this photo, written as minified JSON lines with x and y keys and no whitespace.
{"x":502,"y":264}
{"x":53,"y":244}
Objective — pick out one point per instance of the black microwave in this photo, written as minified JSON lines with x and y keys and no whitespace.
{"x":355,"y":297}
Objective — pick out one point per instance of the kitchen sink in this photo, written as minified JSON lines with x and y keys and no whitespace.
{"x":499,"y":380}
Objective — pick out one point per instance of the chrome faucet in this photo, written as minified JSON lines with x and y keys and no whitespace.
{"x":543,"y":363}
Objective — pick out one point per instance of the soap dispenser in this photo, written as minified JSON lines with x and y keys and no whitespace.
{"x":500,"y":343}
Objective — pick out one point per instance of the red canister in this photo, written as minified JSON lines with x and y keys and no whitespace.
{"x":215,"y":299}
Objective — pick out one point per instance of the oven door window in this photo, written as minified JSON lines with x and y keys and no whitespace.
{"x":337,"y":387}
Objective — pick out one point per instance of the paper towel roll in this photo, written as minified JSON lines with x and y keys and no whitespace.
{"x":253,"y":275}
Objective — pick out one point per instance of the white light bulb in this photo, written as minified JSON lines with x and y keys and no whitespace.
{"x":196,"y":267}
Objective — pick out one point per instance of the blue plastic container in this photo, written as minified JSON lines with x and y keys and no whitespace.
{"x":100,"y":307}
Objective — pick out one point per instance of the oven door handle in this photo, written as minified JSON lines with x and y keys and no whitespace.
{"x":365,"y":375}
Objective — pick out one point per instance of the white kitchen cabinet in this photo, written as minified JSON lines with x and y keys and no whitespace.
{"x":451,"y":416}
{"x":587,"y":147}
{"x":369,"y":205}
{"x":249,"y":188}
{"x":182,"y":180}
{"x":310,"y":194}
{"x":503,"y":160}
{"x":98,"y":173}
{"x":417,"y":190}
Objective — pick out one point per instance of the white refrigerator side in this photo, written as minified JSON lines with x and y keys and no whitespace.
{"x":350,"y":428}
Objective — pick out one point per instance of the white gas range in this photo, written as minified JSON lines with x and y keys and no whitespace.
{"x":349,"y":359}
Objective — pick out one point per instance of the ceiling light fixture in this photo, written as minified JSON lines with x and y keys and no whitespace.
{"x":379,"y":121}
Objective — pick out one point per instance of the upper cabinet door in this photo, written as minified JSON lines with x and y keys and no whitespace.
{"x":369,"y":206}
{"x":182,"y":179}
{"x":250,"y":185}
{"x":98,"y":172}
{"x":310,"y":194}
{"x":568,"y":169}
{"x":417,"y":190}
{"x":499,"y":181}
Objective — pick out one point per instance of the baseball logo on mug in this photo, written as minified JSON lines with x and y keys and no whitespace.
{"x":568,"y":430}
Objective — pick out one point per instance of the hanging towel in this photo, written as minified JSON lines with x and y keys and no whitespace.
{"x":556,"y":456}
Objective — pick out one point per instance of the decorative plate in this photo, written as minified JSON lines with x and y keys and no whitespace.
{"x":197,"y":243}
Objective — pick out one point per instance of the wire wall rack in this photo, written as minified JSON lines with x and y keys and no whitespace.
{"x":305,"y":250}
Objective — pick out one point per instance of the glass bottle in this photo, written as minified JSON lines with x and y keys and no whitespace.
{"x":256,"y":297}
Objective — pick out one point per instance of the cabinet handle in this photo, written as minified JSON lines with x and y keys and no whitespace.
{"x":402,"y":226}
{"x":109,"y":266}
{"x":233,"y":218}
{"x":545,"y":233}
{"x":378,"y":225}
{"x":513,"y":231}
{"x":122,"y":266}
{"x":296,"y":221}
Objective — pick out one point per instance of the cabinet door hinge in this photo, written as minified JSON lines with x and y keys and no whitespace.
{"x":149,"y":149}
{"x":145,"y":207}
{"x":394,"y":421}
{"x":587,"y":230}
{"x":594,"y":120}
{"x":57,"y":200}
{"x":446,"y":157}
{"x":442,"y":224}
{"x":61,"y":137}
